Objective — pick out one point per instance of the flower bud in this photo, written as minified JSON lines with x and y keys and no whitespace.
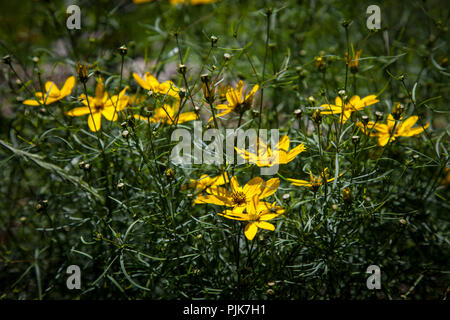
{"x":317,"y":117}
{"x":227,"y":56}
{"x":182,"y":93}
{"x":123,"y":50}
{"x":298,"y":113}
{"x":355,"y":140}
{"x":286,"y":197}
{"x":170,"y":173}
{"x":347,"y":195}
{"x":214,"y":40}
{"x":379,"y":115}
{"x":182,"y":69}
{"x":365,"y":120}
{"x":397,"y":110}
{"x":82,"y":72}
{"x":120,"y":186}
{"x":321,"y":64}
{"x":87,"y":167}
{"x":7,"y":59}
{"x":125,"y":133}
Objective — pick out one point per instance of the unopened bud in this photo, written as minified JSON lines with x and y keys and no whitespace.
{"x":397,"y":110}
{"x":227,"y":56}
{"x":120,"y":186}
{"x":182,"y":69}
{"x":82,"y":72}
{"x":298,"y":113}
{"x":123,"y":50}
{"x":125,"y":133}
{"x":317,"y":117}
{"x":214,"y":40}
{"x":7,"y":59}
{"x":379,"y":115}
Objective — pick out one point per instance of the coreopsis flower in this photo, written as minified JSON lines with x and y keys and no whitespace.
{"x":404,"y":128}
{"x":266,"y":157}
{"x":151,"y":83}
{"x":168,"y":114}
{"x":52,"y":93}
{"x":236,"y":100}
{"x":314,"y":182}
{"x":206,"y":181}
{"x":348,"y":107}
{"x":257,"y":213}
{"x":101,"y":104}
{"x":239,"y":197}
{"x":353,"y":61}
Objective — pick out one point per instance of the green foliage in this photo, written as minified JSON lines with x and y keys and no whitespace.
{"x":106,"y":201}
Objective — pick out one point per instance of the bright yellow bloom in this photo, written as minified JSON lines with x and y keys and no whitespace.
{"x":52,"y":93}
{"x":314,"y":182}
{"x":101,"y":104}
{"x":257,"y":215}
{"x":167,"y":114}
{"x":206,"y":181}
{"x":236,"y":100}
{"x":239,"y":197}
{"x":384,"y":131}
{"x":267,"y":157}
{"x":346,"y":109}
{"x":151,"y":83}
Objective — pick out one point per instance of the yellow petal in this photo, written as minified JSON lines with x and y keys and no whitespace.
{"x":95,"y":123}
{"x":269,"y":188}
{"x":265,"y":225}
{"x":253,"y":187}
{"x":80,"y":111}
{"x":68,"y":86}
{"x":141,"y":82}
{"x":250,"y":230}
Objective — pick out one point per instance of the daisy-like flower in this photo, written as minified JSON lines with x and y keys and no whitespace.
{"x":257,"y":214}
{"x":314,"y":182}
{"x":151,"y":83}
{"x":52,"y":93}
{"x":236,"y":100}
{"x":239,"y":197}
{"x":404,"y":128}
{"x":266,"y":157}
{"x":206,"y":181}
{"x":348,"y":107}
{"x":168,"y":114}
{"x":353,"y":62}
{"x":101,"y":104}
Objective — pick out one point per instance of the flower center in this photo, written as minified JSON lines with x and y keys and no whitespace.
{"x":239,"y":198}
{"x":98,"y":107}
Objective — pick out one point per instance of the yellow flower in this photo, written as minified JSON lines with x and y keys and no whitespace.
{"x":206,"y":181}
{"x":167,"y":114}
{"x":347,"y":108}
{"x":353,"y":62}
{"x":267,"y":158}
{"x":236,"y":100}
{"x":314,"y":182}
{"x":403,"y":129}
{"x":101,"y":104}
{"x":151,"y":83}
{"x":257,"y":214}
{"x":52,"y":93}
{"x":239,"y":197}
